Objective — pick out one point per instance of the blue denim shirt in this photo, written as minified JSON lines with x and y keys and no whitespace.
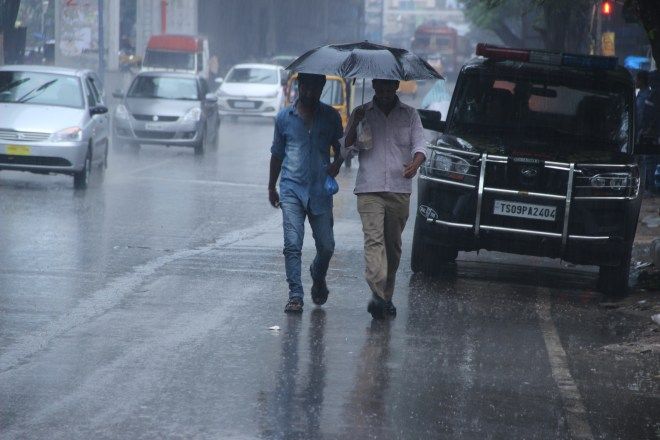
{"x":305,"y":154}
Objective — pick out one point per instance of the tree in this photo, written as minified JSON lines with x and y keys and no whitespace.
{"x":562,"y":24}
{"x":648,"y":13}
{"x":8,"y":14}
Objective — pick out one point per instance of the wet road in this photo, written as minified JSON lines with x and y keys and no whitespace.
{"x":142,"y":309}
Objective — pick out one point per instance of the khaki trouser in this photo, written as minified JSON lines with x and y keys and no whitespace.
{"x":384,"y":216}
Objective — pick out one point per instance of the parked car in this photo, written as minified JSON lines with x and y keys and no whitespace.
{"x":252,"y":89}
{"x":167,"y":108}
{"x":537,"y":157}
{"x":53,"y":120}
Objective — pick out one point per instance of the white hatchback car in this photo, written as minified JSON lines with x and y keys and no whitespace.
{"x":252,"y":89}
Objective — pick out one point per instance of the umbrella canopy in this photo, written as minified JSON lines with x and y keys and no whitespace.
{"x":364,"y":60}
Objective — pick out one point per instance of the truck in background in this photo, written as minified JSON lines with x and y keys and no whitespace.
{"x":440,"y":46}
{"x":182,"y":53}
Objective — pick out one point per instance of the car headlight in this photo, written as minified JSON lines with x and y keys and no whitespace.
{"x":194,"y":115}
{"x":70,"y":134}
{"x":222,"y":94}
{"x":271,"y":95}
{"x":121,"y":112}
{"x":611,"y":181}
{"x":449,"y":163}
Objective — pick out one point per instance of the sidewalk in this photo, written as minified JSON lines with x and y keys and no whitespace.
{"x":649,"y":221}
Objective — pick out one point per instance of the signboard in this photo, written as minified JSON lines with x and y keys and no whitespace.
{"x":607,"y":44}
{"x":76,"y":32}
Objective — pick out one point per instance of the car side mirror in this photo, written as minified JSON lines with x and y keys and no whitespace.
{"x":432,"y":120}
{"x":219,"y":80}
{"x":98,"y":110}
{"x":118,"y":94}
{"x":648,"y":146}
{"x":211,"y":97}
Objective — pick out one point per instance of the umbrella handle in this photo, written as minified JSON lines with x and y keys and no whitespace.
{"x":362,"y":91}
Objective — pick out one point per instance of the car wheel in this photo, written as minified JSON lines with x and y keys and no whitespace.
{"x":613,"y":280}
{"x":81,"y":178}
{"x":199,"y":146}
{"x":104,"y":163}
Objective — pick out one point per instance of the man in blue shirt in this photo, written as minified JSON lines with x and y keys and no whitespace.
{"x":304,"y":133}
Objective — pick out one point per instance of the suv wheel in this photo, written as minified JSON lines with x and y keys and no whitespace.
{"x":613,"y":280}
{"x":428,"y":258}
{"x":81,"y":178}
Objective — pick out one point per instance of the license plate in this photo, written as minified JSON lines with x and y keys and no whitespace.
{"x":244,"y":104}
{"x":155,"y":126}
{"x":18,"y":150}
{"x":525,"y":210}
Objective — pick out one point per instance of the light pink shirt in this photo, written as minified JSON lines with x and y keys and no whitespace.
{"x":396,"y":138}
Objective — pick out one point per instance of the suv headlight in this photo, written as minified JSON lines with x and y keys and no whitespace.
{"x":194,"y":115}
{"x":611,"y":181}
{"x":70,"y":134}
{"x":121,"y":112}
{"x":448,"y":163}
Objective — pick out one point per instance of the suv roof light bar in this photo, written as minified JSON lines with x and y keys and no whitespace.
{"x":497,"y":53}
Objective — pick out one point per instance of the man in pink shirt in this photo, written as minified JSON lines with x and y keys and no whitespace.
{"x":388,"y":162}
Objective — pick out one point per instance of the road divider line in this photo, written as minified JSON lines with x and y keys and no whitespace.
{"x":203,"y":182}
{"x":576,"y":415}
{"x":110,"y":296}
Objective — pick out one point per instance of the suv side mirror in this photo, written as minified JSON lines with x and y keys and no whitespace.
{"x":648,"y":146}
{"x":432,"y":120}
{"x":118,"y":94}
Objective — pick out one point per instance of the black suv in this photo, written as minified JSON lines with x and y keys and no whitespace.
{"x":536,"y":158}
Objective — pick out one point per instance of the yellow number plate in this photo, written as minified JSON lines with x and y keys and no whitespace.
{"x":18,"y":150}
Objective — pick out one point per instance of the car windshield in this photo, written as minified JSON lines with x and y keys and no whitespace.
{"x":252,"y":75}
{"x":169,"y":60}
{"x":163,"y":87}
{"x":40,"y":88}
{"x":560,"y":112}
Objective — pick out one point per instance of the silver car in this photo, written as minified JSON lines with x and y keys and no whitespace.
{"x":174,"y":109}
{"x":52,"y":120}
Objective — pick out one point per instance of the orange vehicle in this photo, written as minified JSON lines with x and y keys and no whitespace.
{"x":336,"y":93}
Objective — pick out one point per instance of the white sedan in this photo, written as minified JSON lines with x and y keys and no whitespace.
{"x":252,"y":89}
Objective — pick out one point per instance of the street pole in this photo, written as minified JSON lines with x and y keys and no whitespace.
{"x":101,"y":42}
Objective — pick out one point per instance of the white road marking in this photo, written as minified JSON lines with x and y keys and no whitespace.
{"x":150,"y":166}
{"x":203,"y":182}
{"x":575,"y":412}
{"x":111,"y":295}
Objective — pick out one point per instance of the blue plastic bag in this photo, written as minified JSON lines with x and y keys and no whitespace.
{"x":331,"y":185}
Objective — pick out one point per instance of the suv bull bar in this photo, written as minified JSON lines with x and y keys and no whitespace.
{"x":572,"y":170}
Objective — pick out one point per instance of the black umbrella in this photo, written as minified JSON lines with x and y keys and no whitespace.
{"x":364,"y":60}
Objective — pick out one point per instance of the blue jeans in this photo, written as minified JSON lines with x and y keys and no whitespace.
{"x":293,"y":216}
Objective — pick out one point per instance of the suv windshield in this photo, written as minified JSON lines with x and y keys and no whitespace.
{"x":40,"y":88}
{"x":252,"y":75}
{"x":163,"y":87}
{"x":169,"y":60}
{"x":545,"y":109}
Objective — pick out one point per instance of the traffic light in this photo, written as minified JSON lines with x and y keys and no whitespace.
{"x":606,"y":8}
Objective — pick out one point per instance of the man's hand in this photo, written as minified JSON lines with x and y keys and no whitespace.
{"x":410,"y":169}
{"x":359,"y":113}
{"x":334,"y":168}
{"x":273,"y":197}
